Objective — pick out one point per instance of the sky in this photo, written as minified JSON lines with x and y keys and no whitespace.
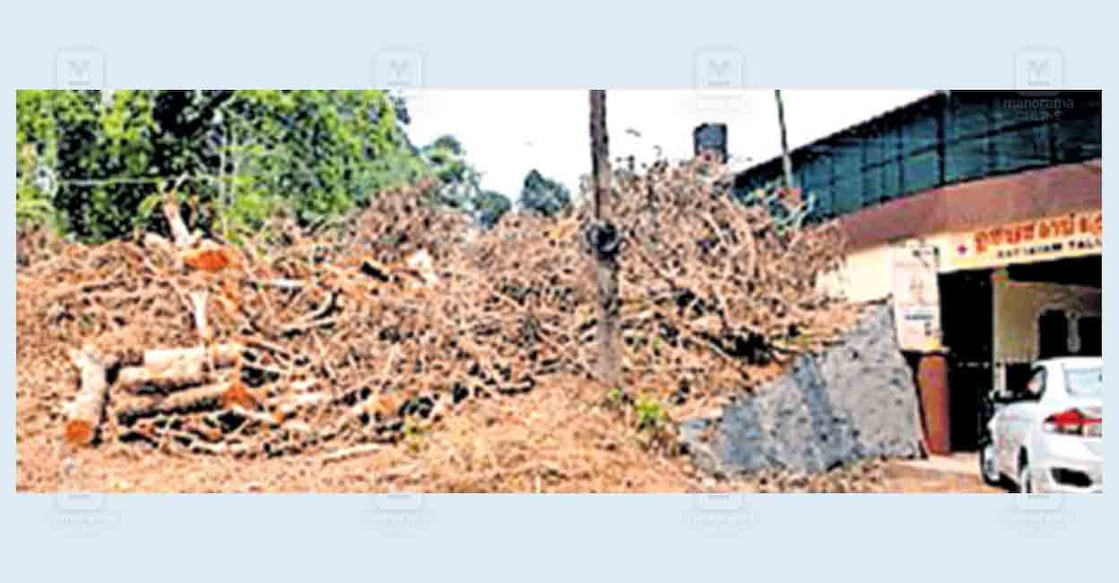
{"x":507,"y":132}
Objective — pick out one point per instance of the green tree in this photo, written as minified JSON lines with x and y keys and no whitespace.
{"x":490,"y":206}
{"x":457,"y":181}
{"x":544,"y":196}
{"x":459,"y":184}
{"x":93,"y":162}
{"x":447,"y":159}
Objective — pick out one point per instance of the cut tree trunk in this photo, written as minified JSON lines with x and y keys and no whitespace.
{"x":185,"y":401}
{"x":84,"y":413}
{"x":175,"y":367}
{"x":222,"y":355}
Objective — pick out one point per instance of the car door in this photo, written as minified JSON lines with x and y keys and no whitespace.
{"x":1016,"y":419}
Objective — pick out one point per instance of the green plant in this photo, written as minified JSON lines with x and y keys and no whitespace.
{"x":616,"y":397}
{"x":650,"y":414}
{"x":33,"y":203}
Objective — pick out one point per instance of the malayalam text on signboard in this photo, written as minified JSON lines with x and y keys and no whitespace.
{"x":1073,"y":234}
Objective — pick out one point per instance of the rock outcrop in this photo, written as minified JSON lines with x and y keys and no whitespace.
{"x":857,"y":399}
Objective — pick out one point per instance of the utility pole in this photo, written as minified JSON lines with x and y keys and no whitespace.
{"x":604,"y":241}
{"x":786,"y":160}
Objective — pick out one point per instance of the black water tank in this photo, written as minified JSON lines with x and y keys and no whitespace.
{"x":711,"y":137}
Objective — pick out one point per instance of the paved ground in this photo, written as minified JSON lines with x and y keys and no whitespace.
{"x":957,"y":463}
{"x":954,"y":473}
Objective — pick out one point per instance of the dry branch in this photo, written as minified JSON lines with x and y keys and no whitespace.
{"x":180,"y":234}
{"x":350,"y":452}
{"x":198,"y":301}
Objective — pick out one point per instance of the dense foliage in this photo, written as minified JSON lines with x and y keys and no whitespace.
{"x":94,"y":163}
{"x":490,"y":206}
{"x":543,"y":196}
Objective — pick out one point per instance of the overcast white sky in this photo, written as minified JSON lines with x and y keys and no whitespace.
{"x":507,"y":132}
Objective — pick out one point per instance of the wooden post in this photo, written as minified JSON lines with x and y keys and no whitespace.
{"x":786,"y":160}
{"x":604,"y":241}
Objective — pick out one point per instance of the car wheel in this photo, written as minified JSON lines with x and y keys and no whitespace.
{"x":1025,"y":482}
{"x":988,"y":468}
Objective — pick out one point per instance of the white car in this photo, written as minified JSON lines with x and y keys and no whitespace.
{"x":1049,"y":437}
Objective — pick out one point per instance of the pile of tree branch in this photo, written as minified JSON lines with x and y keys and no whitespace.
{"x":346,"y":335}
{"x":714,"y":285}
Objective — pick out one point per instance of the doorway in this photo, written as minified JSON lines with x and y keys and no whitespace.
{"x":967,"y":311}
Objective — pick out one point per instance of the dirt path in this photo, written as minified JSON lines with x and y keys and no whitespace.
{"x":497,"y":446}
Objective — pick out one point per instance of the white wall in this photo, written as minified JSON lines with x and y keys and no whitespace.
{"x":865,"y":275}
{"x":1018,"y":305}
